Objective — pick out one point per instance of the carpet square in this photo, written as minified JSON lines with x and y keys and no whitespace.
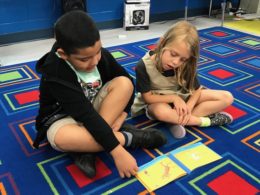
{"x":204,"y":40}
{"x":118,"y":54}
{"x":10,"y":76}
{"x":7,"y":184}
{"x":252,"y":61}
{"x":251,"y":42}
{"x":219,"y":34}
{"x":245,"y":116}
{"x":253,"y":141}
{"x":55,"y":172}
{"x":151,"y":47}
{"x":144,"y":46}
{"x":121,"y":54}
{"x":10,"y":103}
{"x":235,"y":112}
{"x":24,"y":132}
{"x":204,"y":60}
{"x":254,"y":90}
{"x":20,"y":74}
{"x":247,"y":41}
{"x":232,"y":184}
{"x":221,"y":50}
{"x":27,"y":97}
{"x":222,"y":74}
{"x":130,"y":67}
{"x":229,"y":163}
{"x":82,"y":180}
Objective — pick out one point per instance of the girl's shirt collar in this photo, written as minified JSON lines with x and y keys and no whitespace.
{"x":167,"y":73}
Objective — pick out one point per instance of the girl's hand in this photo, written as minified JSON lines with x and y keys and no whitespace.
{"x":124,"y":161}
{"x":182,"y":110}
{"x":193,"y":100}
{"x":186,"y":117}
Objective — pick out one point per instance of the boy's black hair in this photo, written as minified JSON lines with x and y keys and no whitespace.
{"x":75,"y":30}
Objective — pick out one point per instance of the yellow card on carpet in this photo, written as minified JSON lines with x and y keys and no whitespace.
{"x":195,"y":155}
{"x":159,"y":172}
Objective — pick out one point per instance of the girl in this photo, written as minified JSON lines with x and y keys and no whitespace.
{"x":168,"y":88}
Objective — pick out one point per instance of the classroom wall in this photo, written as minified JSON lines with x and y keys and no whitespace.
{"x":33,"y":19}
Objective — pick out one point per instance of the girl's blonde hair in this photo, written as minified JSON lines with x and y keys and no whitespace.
{"x":185,"y":32}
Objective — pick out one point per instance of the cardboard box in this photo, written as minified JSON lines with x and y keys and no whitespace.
{"x":136,"y":15}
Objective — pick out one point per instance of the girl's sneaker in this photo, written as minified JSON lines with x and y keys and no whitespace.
{"x":178,"y":131}
{"x":220,"y":118}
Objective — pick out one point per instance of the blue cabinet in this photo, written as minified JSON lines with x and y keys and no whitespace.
{"x":21,"y":16}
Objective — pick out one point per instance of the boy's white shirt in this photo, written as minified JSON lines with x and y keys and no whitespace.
{"x":86,"y":77}
{"x":90,"y":81}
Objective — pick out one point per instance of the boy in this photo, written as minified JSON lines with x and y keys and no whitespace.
{"x":85,"y":96}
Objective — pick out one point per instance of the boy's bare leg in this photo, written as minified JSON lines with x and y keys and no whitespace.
{"x":119,"y":92}
{"x":77,"y":138}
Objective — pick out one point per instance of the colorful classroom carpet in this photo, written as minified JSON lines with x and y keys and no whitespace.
{"x":229,"y":60}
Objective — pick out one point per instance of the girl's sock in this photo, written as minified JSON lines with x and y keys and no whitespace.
{"x":178,"y":131}
{"x":205,"y":122}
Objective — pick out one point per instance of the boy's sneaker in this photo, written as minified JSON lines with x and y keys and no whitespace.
{"x":221,"y":118}
{"x":86,"y":162}
{"x":178,"y":131}
{"x":146,"y":138}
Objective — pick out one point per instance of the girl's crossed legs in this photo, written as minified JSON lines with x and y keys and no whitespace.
{"x":209,"y":102}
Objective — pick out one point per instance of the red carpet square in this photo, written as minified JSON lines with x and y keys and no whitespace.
{"x":235,"y":112}
{"x":151,"y":47}
{"x":82,"y":180}
{"x":232,"y":184}
{"x":27,"y":97}
{"x":222,"y":74}
{"x":219,"y":34}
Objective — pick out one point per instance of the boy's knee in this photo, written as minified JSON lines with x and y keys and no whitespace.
{"x":125,"y":83}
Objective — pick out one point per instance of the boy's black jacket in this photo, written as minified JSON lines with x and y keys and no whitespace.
{"x":60,"y":89}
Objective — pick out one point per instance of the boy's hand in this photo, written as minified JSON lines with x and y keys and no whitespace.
{"x":124,"y":161}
